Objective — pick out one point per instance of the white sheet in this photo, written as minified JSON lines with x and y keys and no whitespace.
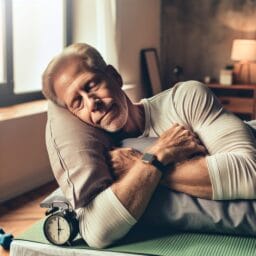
{"x":27,"y":248}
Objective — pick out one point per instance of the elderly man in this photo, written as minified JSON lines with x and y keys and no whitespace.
{"x":81,"y":81}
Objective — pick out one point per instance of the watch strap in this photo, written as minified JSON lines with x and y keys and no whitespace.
{"x":152,"y":159}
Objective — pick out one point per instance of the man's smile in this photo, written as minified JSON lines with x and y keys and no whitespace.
{"x":110,"y":114}
{"x":107,"y":114}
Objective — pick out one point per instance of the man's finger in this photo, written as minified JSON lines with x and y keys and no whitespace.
{"x":201,"y":148}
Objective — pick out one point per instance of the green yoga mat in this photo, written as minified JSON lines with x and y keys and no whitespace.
{"x":167,"y":243}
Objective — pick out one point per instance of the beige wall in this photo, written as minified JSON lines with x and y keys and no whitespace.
{"x":24,"y":163}
{"x":138,"y":27}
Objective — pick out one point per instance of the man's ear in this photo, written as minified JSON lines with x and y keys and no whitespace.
{"x":113,"y":73}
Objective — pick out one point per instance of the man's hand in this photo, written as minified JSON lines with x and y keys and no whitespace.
{"x":174,"y":145}
{"x":177,"y":144}
{"x":122,"y":160}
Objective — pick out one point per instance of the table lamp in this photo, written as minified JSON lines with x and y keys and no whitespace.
{"x":244,"y":51}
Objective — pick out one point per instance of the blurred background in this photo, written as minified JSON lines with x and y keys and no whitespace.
{"x":192,"y":40}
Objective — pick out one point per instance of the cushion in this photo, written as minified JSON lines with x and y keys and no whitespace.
{"x":77,"y":155}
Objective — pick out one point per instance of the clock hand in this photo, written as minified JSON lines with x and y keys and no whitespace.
{"x":59,"y":229}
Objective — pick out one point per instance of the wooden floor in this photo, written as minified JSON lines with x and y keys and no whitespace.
{"x":20,"y":213}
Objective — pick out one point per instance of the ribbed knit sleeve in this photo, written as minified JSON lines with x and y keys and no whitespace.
{"x":231,"y":146}
{"x":104,"y":220}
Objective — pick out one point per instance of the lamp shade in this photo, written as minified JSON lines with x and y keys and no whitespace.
{"x":243,"y":50}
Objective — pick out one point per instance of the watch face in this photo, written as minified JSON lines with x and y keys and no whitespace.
{"x":57,"y":229}
{"x":148,"y":158}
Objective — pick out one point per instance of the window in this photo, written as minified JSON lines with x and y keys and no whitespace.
{"x":31,"y":33}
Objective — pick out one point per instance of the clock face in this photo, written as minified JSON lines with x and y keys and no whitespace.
{"x":57,"y":229}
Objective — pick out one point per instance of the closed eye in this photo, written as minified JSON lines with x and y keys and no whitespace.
{"x":92,"y":85}
{"x":77,"y":102}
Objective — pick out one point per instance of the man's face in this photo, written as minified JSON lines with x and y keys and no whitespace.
{"x":95,"y":98}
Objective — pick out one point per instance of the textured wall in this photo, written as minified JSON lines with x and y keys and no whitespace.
{"x":198,"y":35}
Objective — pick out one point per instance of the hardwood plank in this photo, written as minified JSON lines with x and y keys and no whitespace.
{"x":20,"y":213}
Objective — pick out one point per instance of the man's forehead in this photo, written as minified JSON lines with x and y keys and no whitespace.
{"x":69,"y":72}
{"x":72,"y":72}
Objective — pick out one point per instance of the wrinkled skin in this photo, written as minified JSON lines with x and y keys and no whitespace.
{"x":173,"y":146}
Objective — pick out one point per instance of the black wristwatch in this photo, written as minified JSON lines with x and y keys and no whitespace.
{"x":152,"y":159}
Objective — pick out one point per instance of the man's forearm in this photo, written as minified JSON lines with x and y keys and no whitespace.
{"x":105,"y":220}
{"x":190,"y":177}
{"x":135,"y":189}
{"x":114,"y":211}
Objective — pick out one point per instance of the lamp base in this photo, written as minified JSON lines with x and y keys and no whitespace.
{"x":242,"y":73}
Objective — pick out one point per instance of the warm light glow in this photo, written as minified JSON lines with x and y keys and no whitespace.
{"x":243,"y":50}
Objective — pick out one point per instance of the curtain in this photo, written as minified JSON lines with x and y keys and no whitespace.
{"x":106,"y":27}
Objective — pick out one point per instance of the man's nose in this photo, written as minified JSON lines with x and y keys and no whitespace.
{"x":93,"y":103}
{"x":97,"y":104}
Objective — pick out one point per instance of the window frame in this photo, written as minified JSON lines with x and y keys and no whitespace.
{"x":7,"y":95}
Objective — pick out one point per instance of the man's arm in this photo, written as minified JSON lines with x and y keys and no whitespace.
{"x":135,"y":189}
{"x":231,"y":161}
{"x":137,"y":180}
{"x":111,"y":214}
{"x":190,"y":177}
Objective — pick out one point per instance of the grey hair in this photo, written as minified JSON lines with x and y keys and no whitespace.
{"x":88,"y":55}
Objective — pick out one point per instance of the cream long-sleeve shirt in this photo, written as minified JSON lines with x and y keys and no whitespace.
{"x":232,"y":148}
{"x":231,"y":161}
